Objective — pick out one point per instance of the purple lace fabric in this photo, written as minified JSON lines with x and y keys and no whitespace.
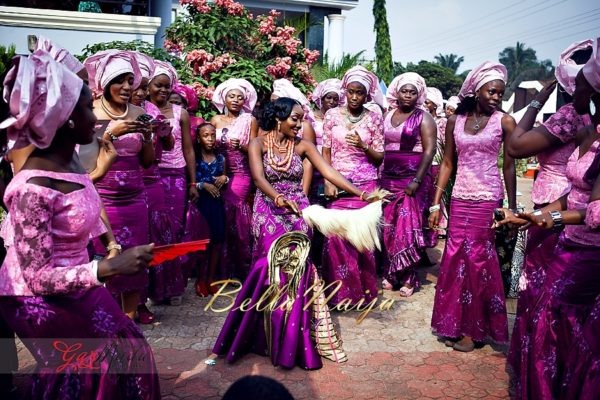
{"x":237,"y":248}
{"x":350,"y":161}
{"x":592,"y":217}
{"x":318,"y":127}
{"x":552,"y":183}
{"x":174,"y":158}
{"x":267,"y":217}
{"x":477,"y":175}
{"x":50,"y":232}
{"x":579,"y":195}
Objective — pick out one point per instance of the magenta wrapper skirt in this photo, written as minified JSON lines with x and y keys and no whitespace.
{"x":123,"y":193}
{"x":469,"y":297}
{"x":61,"y":332}
{"x":342,"y":262}
{"x":166,"y":279}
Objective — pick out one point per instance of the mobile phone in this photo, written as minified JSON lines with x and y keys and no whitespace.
{"x":499,"y":214}
{"x":145,"y":118}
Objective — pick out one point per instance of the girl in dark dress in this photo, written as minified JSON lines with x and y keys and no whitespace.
{"x":210,"y":178}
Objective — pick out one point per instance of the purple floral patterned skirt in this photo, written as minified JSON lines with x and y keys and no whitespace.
{"x":123,"y":193}
{"x":403,"y":230}
{"x":539,"y":253}
{"x":48,"y":325}
{"x":557,"y":319}
{"x":342,"y":262}
{"x":166,"y":280}
{"x":175,"y":192}
{"x":582,"y":372}
{"x":237,"y":255}
{"x":469,"y":297}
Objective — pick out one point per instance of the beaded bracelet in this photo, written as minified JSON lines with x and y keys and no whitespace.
{"x":111,"y":136}
{"x":434,"y":208}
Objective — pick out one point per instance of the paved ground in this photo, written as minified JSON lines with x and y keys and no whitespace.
{"x":392,"y":355}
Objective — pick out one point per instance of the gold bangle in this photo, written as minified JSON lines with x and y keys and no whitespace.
{"x":275,"y":199}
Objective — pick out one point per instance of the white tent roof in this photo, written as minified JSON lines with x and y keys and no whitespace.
{"x":548,"y":108}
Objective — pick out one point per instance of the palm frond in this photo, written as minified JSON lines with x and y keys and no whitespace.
{"x":323,"y":70}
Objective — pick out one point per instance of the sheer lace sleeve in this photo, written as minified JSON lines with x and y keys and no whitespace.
{"x":378,"y":141}
{"x":31,"y":213}
{"x":328,"y":123}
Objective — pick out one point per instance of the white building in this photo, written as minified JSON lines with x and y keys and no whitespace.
{"x":75,"y":30}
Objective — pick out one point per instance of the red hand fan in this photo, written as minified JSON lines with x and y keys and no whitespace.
{"x":172,"y":251}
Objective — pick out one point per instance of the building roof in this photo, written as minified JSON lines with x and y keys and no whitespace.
{"x":277,"y":4}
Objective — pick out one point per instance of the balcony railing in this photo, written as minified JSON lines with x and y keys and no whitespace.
{"x":123,"y":7}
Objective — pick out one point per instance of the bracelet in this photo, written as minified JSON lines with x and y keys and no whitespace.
{"x":416,"y":180}
{"x":199,"y":185}
{"x":111,"y":136}
{"x":535,"y":104}
{"x":113,"y":246}
{"x":149,"y":140}
{"x":276,"y":198}
{"x":557,"y":220}
{"x":193,"y":184}
{"x":226,"y":180}
{"x":362,"y":195}
{"x":537,"y":212}
{"x":366,"y":148}
{"x":434,"y":208}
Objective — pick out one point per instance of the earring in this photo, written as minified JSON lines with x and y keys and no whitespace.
{"x":71,"y":123}
{"x":278,"y":126}
{"x":592,"y":107}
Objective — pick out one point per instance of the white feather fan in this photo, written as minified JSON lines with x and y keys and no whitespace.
{"x":359,"y":227}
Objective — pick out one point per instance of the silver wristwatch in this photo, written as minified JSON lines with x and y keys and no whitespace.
{"x":557,"y":220}
{"x":536,"y":104}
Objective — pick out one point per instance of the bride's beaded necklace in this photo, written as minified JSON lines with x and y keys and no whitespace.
{"x":279,"y":164}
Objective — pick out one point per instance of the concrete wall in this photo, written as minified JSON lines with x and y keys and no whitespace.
{"x":72,"y":30}
{"x":74,"y":41}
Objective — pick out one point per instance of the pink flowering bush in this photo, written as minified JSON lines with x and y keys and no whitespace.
{"x":221,"y":40}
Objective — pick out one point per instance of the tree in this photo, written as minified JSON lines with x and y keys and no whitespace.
{"x":383,"y":45}
{"x":522,"y":64}
{"x":322,"y":70}
{"x":451,"y":61}
{"x":435,"y":75}
{"x":219,"y":40}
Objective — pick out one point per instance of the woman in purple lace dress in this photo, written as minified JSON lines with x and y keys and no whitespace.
{"x":165,"y":187}
{"x":352,"y":145}
{"x":410,"y":144}
{"x":50,"y":293}
{"x":236,"y":128}
{"x":572,"y":283}
{"x":114,"y":74}
{"x":469,"y":299}
{"x":276,"y":165}
{"x":553,"y":142}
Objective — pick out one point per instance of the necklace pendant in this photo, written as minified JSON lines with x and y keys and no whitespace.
{"x":476,"y":127}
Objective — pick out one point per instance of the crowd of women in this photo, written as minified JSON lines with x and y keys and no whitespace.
{"x":108,"y":157}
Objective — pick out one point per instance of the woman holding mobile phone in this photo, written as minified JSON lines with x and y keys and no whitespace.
{"x":114,"y":74}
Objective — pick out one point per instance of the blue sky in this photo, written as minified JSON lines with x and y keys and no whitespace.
{"x":477,"y":30}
